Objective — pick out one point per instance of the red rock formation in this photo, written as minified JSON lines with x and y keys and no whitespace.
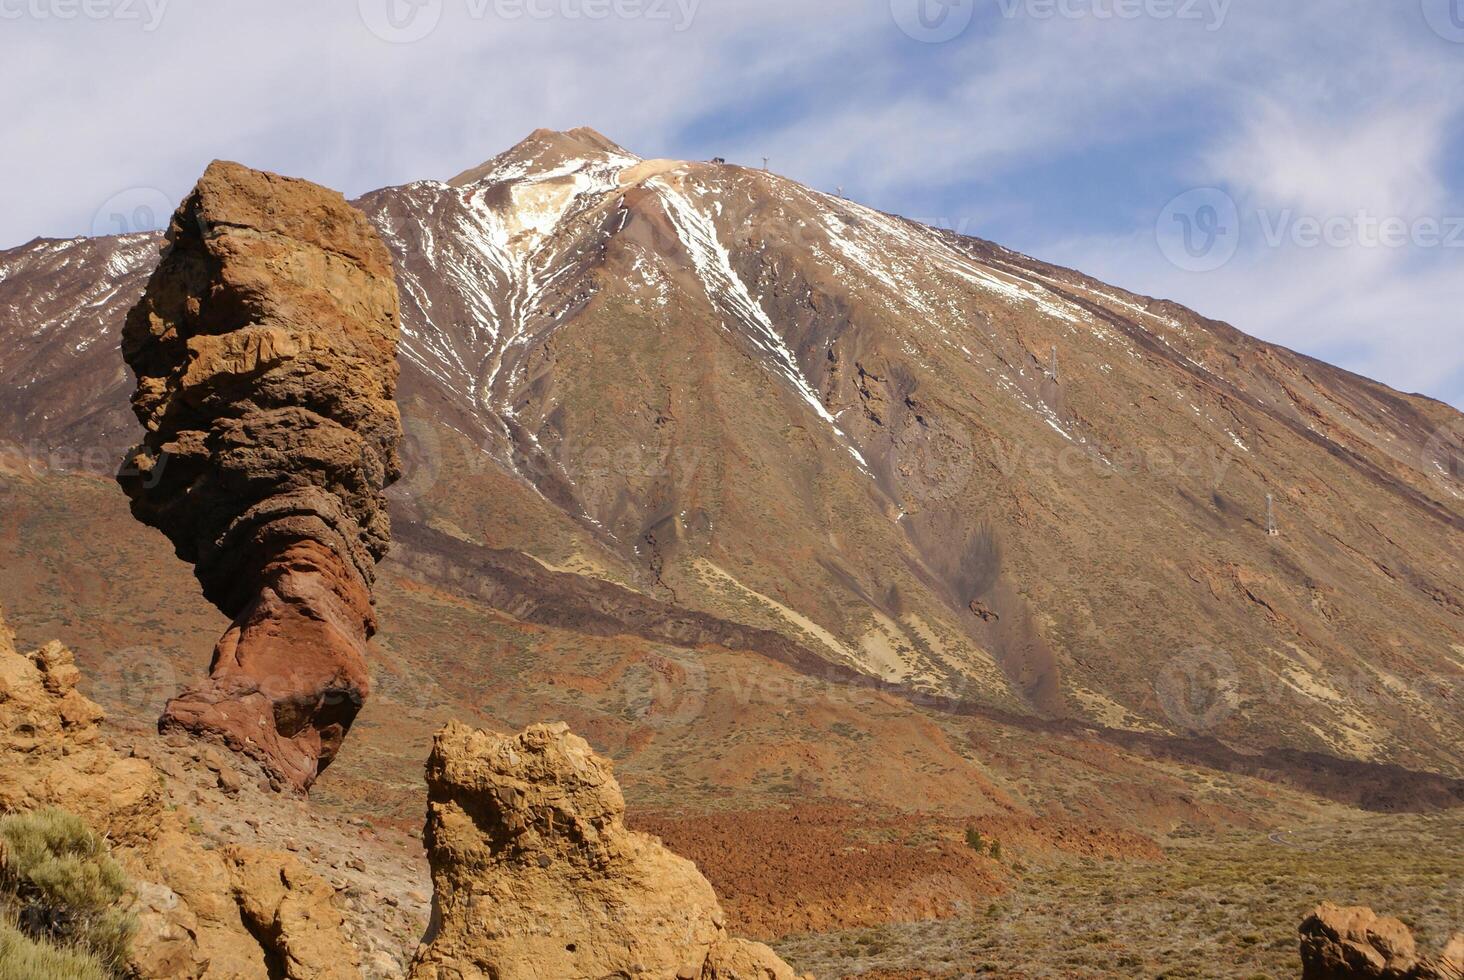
{"x":265,"y":353}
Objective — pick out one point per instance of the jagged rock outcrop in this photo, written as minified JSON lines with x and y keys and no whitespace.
{"x":537,"y":878}
{"x":293,"y":913}
{"x":265,"y":354}
{"x":1355,"y":943}
{"x":54,"y":754}
{"x":201,"y":915}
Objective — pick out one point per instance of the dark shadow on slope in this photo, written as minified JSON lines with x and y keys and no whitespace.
{"x":518,"y":585}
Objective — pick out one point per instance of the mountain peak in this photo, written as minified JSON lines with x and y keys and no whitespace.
{"x":545,"y":149}
{"x":587,"y":136}
{"x":907,"y":452}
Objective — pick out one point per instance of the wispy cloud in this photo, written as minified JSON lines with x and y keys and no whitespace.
{"x":1050,"y":126}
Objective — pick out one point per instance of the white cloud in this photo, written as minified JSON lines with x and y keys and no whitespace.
{"x":1318,"y":108}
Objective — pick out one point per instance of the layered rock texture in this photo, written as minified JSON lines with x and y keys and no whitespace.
{"x":201,"y":913}
{"x":265,"y":353}
{"x":1356,"y":943}
{"x":537,"y":877}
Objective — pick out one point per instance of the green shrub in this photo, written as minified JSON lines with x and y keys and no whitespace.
{"x":23,"y":958}
{"x":61,"y":886}
{"x":996,"y":850}
{"x":974,"y":840}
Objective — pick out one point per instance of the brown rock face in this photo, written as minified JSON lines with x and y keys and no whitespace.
{"x":265,"y":354}
{"x":54,"y":754}
{"x":536,"y":876}
{"x":293,"y":913}
{"x":1355,"y":943}
{"x":243,"y":915}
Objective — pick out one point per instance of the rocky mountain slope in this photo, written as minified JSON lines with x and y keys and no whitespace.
{"x":701,"y":394}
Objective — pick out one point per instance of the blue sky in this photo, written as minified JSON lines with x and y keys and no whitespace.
{"x":1329,"y":132}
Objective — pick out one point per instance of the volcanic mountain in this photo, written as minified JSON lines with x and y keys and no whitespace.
{"x":702,"y":404}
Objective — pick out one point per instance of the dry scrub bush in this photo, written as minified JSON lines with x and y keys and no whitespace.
{"x":24,"y":958}
{"x":60,"y":887}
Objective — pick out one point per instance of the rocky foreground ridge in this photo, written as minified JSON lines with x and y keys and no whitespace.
{"x":536,"y":875}
{"x":235,"y":912}
{"x":265,"y":353}
{"x":1358,"y":944}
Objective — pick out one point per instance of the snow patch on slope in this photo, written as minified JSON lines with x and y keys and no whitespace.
{"x":729,"y":294}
